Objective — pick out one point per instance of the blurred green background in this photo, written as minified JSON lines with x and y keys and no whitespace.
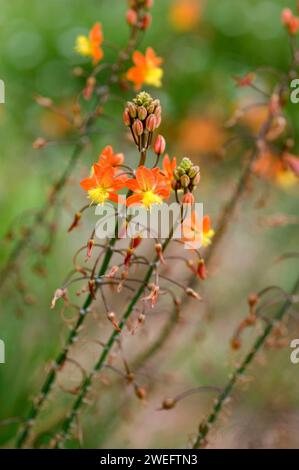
{"x":201,"y":55}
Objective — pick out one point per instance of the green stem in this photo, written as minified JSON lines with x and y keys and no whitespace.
{"x":206,"y":426}
{"x":66,"y":426}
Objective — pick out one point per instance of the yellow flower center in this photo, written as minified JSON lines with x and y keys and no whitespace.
{"x":154,"y":76}
{"x":83,"y":46}
{"x":149,"y":198}
{"x":98,"y":195}
{"x":207,"y":238}
{"x":286,"y":179}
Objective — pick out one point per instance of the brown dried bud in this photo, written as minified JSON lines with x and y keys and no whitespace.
{"x":140,"y":393}
{"x":252,"y":299}
{"x":75,"y":222}
{"x":168,"y":404}
{"x":191,"y":293}
{"x":235,"y":343}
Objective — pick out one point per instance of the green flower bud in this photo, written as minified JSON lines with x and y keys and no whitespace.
{"x":185,"y":164}
{"x":194,"y":170}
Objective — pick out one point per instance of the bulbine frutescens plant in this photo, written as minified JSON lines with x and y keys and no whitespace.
{"x":113,"y":265}
{"x":147,"y":185}
{"x":100,"y":82}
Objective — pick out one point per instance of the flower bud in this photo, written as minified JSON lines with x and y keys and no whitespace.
{"x":158,"y":111}
{"x":159,"y":145}
{"x":196,"y":179}
{"x":151,"y":123}
{"x":185,"y":181}
{"x":126,"y":117}
{"x":168,"y":404}
{"x":44,"y":101}
{"x":185,"y":164}
{"x":201,"y":270}
{"x":140,"y":393}
{"x":142,"y":112}
{"x":194,"y":170}
{"x":188,"y":198}
{"x":148,"y":3}
{"x":146,"y":21}
{"x":131,"y":17}
{"x":39,"y":143}
{"x":132,"y":109}
{"x":158,"y":121}
{"x":137,"y":127}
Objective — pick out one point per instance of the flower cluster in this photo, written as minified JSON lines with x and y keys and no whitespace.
{"x":143,"y":117}
{"x":138,"y":13}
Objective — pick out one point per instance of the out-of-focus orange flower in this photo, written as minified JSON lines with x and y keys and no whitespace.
{"x":146,"y":69}
{"x":168,"y":167}
{"x":197,"y":233}
{"x":201,"y":135}
{"x":245,"y":80}
{"x":90,"y":46}
{"x":103,"y":184}
{"x":274,"y":168}
{"x":290,"y":21}
{"x":185,"y":15}
{"x":149,"y":187}
{"x":108,"y":158}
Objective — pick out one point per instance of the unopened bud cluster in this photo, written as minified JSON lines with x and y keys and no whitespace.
{"x":186,"y":175}
{"x":138,"y":15}
{"x":143,"y":116}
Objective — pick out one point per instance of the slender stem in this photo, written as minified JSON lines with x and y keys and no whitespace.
{"x":60,"y":359}
{"x":67,"y":424}
{"x":205,"y":427}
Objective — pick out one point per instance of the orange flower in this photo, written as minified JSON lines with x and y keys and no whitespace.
{"x":108,"y":158}
{"x":185,"y":14}
{"x":149,"y":186}
{"x":146,"y":69}
{"x":90,"y":46}
{"x":102,"y":184}
{"x":197,"y":233}
{"x":272,"y":167}
{"x":168,"y":167}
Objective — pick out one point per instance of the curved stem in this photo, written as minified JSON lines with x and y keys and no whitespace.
{"x":206,"y":426}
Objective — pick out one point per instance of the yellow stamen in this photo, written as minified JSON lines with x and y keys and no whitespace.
{"x":83,"y":46}
{"x":98,"y":195}
{"x":207,"y":238}
{"x":154,"y":76}
{"x":149,"y":198}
